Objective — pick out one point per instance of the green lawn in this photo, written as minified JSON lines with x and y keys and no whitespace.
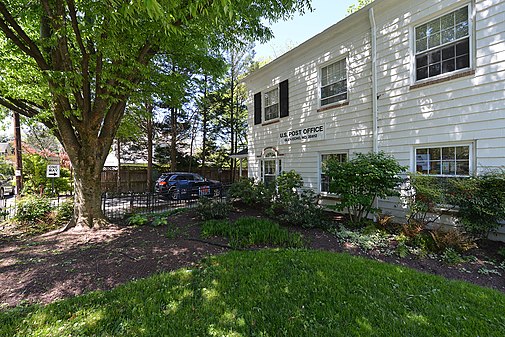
{"x":273,"y":293}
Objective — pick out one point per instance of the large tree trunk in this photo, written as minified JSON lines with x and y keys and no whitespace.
{"x":87,"y":186}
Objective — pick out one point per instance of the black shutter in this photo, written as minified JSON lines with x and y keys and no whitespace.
{"x":257,"y":108}
{"x":284,"y":98}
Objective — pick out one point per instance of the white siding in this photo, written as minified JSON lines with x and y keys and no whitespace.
{"x":465,"y":110}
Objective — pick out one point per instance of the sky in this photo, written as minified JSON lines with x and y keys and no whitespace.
{"x":291,"y":33}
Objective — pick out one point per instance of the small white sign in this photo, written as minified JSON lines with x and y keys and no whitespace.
{"x":302,"y":134}
{"x":17,"y":173}
{"x":53,"y":171}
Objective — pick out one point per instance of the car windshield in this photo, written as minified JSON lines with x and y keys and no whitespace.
{"x":198,"y":177}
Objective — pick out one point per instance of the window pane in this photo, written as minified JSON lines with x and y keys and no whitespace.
{"x":448,"y":52}
{"x":448,"y":35}
{"x":448,"y":153}
{"x":462,"y":152}
{"x":448,"y":66}
{"x":461,"y":30}
{"x":448,"y":167}
{"x":462,"y":168}
{"x":461,"y":15}
{"x":434,"y":154}
{"x":421,"y":32}
{"x":435,"y":167}
{"x":434,"y":70}
{"x":434,"y":40}
{"x":434,"y":56}
{"x":422,"y":73}
{"x":463,"y":62}
{"x":462,"y":47}
{"x":447,"y":21}
{"x":422,"y":61}
{"x":433,"y":27}
{"x":421,"y":44}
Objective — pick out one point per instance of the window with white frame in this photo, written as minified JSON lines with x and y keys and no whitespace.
{"x":272,"y":104}
{"x":443,"y":160}
{"x":271,"y":166}
{"x":325,"y":181}
{"x":442,"y":45}
{"x":334,"y":82}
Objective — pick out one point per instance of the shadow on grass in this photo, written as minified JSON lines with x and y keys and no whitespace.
{"x":273,"y":293}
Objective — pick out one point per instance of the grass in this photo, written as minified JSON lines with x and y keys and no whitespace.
{"x":250,"y":231}
{"x":273,"y":293}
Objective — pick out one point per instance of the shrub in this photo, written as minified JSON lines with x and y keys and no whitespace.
{"x":65,"y":211}
{"x":209,"y":209}
{"x":32,"y":210}
{"x":481,"y":202}
{"x":249,"y":192}
{"x":292,"y":207}
{"x":34,"y":215}
{"x":361,"y":180}
{"x":6,"y":168}
{"x":426,"y":192}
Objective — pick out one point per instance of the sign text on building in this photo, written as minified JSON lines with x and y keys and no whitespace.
{"x":302,"y":134}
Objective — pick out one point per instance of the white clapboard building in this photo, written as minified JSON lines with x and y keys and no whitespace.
{"x":423,"y":80}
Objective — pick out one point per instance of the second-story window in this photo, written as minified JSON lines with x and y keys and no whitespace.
{"x":443,"y":45}
{"x":334,"y":83}
{"x":272,"y":104}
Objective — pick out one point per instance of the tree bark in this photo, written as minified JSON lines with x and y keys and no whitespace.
{"x":87,"y":186}
{"x":173,"y":139}
{"x":150,"y":148}
{"x":204,"y":123}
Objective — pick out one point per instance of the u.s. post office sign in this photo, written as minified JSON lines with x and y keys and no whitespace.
{"x":302,"y":134}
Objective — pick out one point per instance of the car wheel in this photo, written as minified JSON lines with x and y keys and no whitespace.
{"x":217,"y":192}
{"x":174,"y":195}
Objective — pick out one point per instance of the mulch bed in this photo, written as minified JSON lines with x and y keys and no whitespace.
{"x":44,"y":268}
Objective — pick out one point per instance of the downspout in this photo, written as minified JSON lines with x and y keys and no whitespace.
{"x":375,"y":136}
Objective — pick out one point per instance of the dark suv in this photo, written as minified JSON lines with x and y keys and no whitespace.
{"x":185,"y":185}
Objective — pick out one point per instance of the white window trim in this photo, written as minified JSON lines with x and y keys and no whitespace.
{"x":471,"y":160}
{"x":471,"y":39}
{"x":320,"y":75}
{"x":320,"y":168}
{"x":264,"y":106}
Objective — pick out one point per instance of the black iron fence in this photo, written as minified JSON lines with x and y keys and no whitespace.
{"x":117,"y":206}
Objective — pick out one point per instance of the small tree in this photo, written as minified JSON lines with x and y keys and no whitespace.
{"x":361,"y":180}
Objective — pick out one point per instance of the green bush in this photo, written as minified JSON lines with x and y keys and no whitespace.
{"x":65,"y":211}
{"x":360,"y":181}
{"x":6,"y":168}
{"x":138,"y":220}
{"x":481,"y":202}
{"x":293,"y":207}
{"x":32,"y":210}
{"x":250,"y":193}
{"x":209,"y":209}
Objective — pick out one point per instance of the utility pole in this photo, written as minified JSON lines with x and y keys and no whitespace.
{"x":19,"y":158}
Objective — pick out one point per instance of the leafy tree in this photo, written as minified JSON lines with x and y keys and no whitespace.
{"x":360,"y":181}
{"x":358,"y":6}
{"x":73,"y":65}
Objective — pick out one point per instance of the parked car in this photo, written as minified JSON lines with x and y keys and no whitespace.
{"x":6,"y":186}
{"x":186,"y":185}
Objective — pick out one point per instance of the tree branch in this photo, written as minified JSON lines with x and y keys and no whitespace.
{"x":22,"y":40}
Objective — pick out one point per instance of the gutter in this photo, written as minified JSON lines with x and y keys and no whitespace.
{"x":373,"y":28}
